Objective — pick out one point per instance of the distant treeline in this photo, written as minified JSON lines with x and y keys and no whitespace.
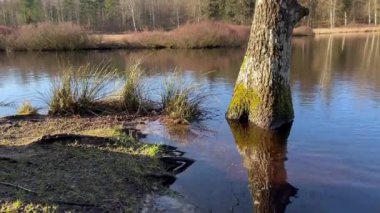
{"x":137,"y":15}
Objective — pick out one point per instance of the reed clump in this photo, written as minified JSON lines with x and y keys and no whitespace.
{"x":93,"y":90}
{"x":82,"y":90}
{"x":133,"y":98}
{"x":183,"y":102}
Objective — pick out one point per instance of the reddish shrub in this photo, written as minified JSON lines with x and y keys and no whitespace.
{"x":4,"y":30}
{"x":196,"y":35}
{"x":46,"y":36}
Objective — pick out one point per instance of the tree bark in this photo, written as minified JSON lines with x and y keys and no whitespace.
{"x":369,"y":11}
{"x":133,"y":19}
{"x":262,"y":92}
{"x":345,"y":18}
{"x":375,"y":12}
{"x":177,"y":16}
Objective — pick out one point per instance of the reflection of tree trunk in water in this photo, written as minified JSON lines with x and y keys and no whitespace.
{"x":264,"y":155}
{"x":377,"y":47}
{"x":326,"y":74}
{"x":371,"y":54}
{"x":365,"y":49}
{"x":368,"y":51}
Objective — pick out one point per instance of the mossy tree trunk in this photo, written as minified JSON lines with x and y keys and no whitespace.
{"x":262,"y":92}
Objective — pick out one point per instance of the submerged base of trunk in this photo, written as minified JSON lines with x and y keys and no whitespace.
{"x":265,"y":107}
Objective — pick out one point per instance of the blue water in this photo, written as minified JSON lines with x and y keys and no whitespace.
{"x":332,"y":151}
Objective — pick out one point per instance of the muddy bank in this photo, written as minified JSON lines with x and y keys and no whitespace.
{"x":91,"y":164}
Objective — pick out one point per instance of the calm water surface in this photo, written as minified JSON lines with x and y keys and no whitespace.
{"x":329,"y":161}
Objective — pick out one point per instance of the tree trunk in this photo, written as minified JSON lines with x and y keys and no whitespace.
{"x":334,"y":12}
{"x":345,"y":18}
{"x":369,"y":12}
{"x":311,"y":11}
{"x":177,"y":16}
{"x":199,"y":11}
{"x":153,"y":18}
{"x":262,"y":92}
{"x":133,"y":19}
{"x":375,"y":12}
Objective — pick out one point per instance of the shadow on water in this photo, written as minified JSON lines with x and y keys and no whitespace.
{"x":264,"y":155}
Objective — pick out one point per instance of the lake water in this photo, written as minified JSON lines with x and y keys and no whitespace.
{"x":329,"y":161}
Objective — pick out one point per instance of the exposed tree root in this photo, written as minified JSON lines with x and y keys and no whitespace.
{"x":18,"y":187}
{"x":176,"y":164}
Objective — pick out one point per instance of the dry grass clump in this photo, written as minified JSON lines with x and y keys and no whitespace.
{"x":91,"y":90}
{"x":27,"y":108}
{"x":181,"y":101}
{"x":205,"y":34}
{"x":82,"y":90}
{"x":46,"y":36}
{"x":132,"y":91}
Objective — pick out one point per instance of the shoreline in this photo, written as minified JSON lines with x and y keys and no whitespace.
{"x":187,"y":37}
{"x":68,"y":164}
{"x":346,"y":30}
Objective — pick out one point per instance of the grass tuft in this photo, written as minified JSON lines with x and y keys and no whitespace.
{"x":183,"y":101}
{"x":90,"y":90}
{"x":27,"y":108}
{"x":132,"y":92}
{"x":82,"y":90}
{"x":151,"y":150}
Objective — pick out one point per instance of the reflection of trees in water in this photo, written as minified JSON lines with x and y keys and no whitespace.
{"x":222,"y":63}
{"x":350,"y":57}
{"x":325,"y":80}
{"x":210,"y":64}
{"x":264,"y":155}
{"x":32,"y":65}
{"x":317,"y":61}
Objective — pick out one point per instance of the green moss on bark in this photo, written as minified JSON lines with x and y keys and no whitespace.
{"x":285,"y":103}
{"x":244,"y":101}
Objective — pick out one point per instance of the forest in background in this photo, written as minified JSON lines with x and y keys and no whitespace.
{"x":139,"y":15}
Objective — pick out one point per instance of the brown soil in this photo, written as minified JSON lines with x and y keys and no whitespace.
{"x":77,"y":175}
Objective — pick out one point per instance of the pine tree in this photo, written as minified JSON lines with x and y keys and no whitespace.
{"x":32,"y":10}
{"x":213,"y":9}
